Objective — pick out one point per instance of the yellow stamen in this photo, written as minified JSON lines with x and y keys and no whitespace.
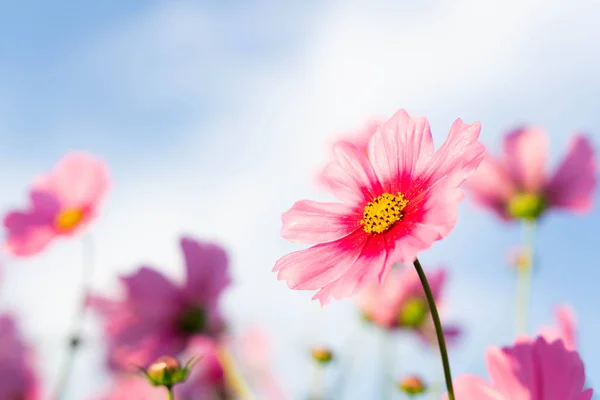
{"x":68,"y":219}
{"x":383,"y":212}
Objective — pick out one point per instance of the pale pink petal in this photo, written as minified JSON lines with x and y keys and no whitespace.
{"x":454,"y":161}
{"x":206,"y":269}
{"x":399,"y":150}
{"x":320,"y":265}
{"x":565,"y":317}
{"x":469,"y":387}
{"x":371,"y":266}
{"x":79,"y":180}
{"x":503,"y":368}
{"x":574,"y":182}
{"x":25,"y":235}
{"x":491,"y":186}
{"x":526,"y":152}
{"x":351,"y":176}
{"x":151,"y":293}
{"x":312,"y":222}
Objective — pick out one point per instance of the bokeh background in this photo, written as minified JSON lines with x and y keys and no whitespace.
{"x":214,"y":117}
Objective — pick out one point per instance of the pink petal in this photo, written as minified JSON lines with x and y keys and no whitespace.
{"x":491,"y":186}
{"x":565,"y":317}
{"x":79,"y":180}
{"x":400,"y":150}
{"x":525,"y":152}
{"x":313,"y":222}
{"x":152,"y":294}
{"x":25,"y":237}
{"x":574,"y":182}
{"x":502,"y":369}
{"x":455,"y":160}
{"x":470,"y":387}
{"x":351,"y":176}
{"x":586,"y":395}
{"x":371,"y":266}
{"x":206,"y":269}
{"x":319,"y":265}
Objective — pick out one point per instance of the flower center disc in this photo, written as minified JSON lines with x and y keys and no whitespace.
{"x":192,"y":320}
{"x":413,"y":313}
{"x":526,"y":206}
{"x":68,"y":219}
{"x":383,"y":212}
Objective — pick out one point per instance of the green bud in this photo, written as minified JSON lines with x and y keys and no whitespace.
{"x":412,"y":385}
{"x":166,"y":371}
{"x":322,"y":355}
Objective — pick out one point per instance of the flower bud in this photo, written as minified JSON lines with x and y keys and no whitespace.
{"x":166,"y":371}
{"x":322,"y":355}
{"x":412,"y":385}
{"x":526,"y":206}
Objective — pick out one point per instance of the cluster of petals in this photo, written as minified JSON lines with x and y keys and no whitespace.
{"x":384,"y":304}
{"x":528,"y":370}
{"x":565,"y":328}
{"x":62,"y":203}
{"x":17,"y":376}
{"x":158,"y":317}
{"x":516,"y":184}
{"x":400,"y":167}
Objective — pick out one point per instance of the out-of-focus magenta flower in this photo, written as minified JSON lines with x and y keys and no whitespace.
{"x":157,"y":317}
{"x":396,"y":201}
{"x":255,"y":356}
{"x":17,"y":377}
{"x":516,"y":185}
{"x":565,"y":329}
{"x":63,"y":203}
{"x":205,"y":380}
{"x":528,"y":370}
{"x":401,"y":303}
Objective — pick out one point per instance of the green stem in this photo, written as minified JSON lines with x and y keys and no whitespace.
{"x":170,"y":395}
{"x":438,"y":328}
{"x":524,"y":278}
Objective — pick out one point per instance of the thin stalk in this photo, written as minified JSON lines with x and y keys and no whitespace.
{"x":233,"y":375}
{"x":170,"y":395}
{"x":79,"y":319}
{"x":318,"y":385}
{"x":525,"y":272}
{"x":438,"y":328}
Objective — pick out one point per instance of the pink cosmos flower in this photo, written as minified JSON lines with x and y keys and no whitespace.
{"x":401,"y":303}
{"x":255,"y":356}
{"x":529,"y":370}
{"x":565,"y":331}
{"x":63,"y":203}
{"x":516,"y":185}
{"x":157,"y":317}
{"x":396,"y":201}
{"x":17,"y":376}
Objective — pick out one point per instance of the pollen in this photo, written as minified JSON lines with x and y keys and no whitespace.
{"x":68,"y":219}
{"x":383,"y":212}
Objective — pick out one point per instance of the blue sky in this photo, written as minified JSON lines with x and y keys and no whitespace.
{"x":195,"y":105}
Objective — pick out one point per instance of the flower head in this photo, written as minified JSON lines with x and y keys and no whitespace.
{"x":528,"y":370}
{"x":412,"y":385}
{"x":400,"y":303}
{"x":516,"y":185}
{"x":18,"y":380}
{"x":166,"y":371}
{"x":322,"y":355}
{"x":565,"y":329}
{"x":158,"y":317}
{"x":396,"y":201}
{"x":62,"y":203}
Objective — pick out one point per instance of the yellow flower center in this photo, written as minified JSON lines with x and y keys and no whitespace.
{"x":383,"y":212}
{"x":413,"y":313}
{"x":526,"y":206}
{"x":68,"y":219}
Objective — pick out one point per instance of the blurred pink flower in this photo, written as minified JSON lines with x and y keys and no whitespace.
{"x":205,"y":382}
{"x":516,"y":185}
{"x":401,"y":303}
{"x":255,"y":356}
{"x":157,"y":317}
{"x":63,"y":203}
{"x":395,"y":202}
{"x":565,"y":331}
{"x":17,"y":376}
{"x":529,"y":370}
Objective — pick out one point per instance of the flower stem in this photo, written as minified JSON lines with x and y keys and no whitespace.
{"x":233,"y":375}
{"x":524,"y":278}
{"x":75,"y":338}
{"x":170,"y":395}
{"x":438,"y":328}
